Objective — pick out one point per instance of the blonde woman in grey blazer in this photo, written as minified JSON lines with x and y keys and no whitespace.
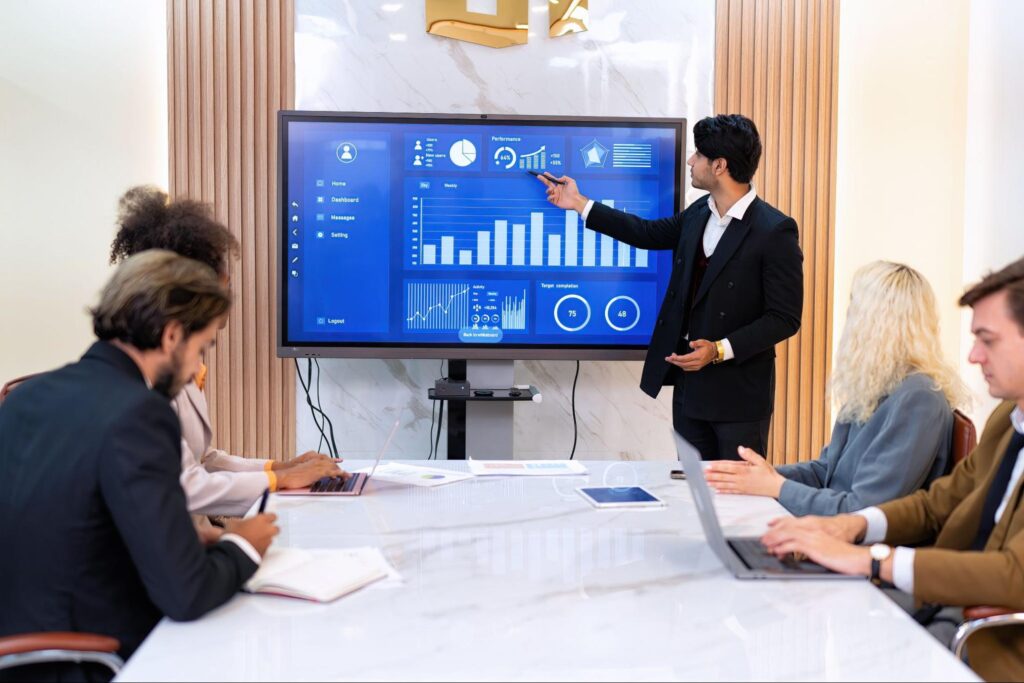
{"x":893,"y":432}
{"x":215,"y":482}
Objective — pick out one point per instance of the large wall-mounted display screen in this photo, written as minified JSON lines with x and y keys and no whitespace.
{"x":426,"y":236}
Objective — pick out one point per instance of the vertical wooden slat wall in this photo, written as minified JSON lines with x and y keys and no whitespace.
{"x":776,"y":61}
{"x":230,"y":69}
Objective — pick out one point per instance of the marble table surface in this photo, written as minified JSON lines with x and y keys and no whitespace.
{"x":521,"y":579}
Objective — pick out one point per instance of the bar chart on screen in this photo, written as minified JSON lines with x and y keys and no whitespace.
{"x":487,"y":228}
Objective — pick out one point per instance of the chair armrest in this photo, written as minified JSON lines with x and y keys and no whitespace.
{"x":57,"y":640}
{"x":984,"y":612}
{"x":977,"y":618}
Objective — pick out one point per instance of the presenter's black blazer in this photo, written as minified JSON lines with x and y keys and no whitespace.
{"x":752,"y":293}
{"x":94,"y":532}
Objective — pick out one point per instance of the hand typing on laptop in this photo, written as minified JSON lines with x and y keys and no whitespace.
{"x":304,"y":474}
{"x":825,"y":540}
{"x":333,"y":481}
{"x":308,"y":456}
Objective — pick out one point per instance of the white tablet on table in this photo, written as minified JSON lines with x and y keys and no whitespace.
{"x":620,"y":497}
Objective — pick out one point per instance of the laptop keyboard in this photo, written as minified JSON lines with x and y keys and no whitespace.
{"x":753,"y":553}
{"x":333,"y":484}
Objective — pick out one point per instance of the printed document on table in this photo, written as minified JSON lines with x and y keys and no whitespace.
{"x":416,"y":475}
{"x":525,"y":468}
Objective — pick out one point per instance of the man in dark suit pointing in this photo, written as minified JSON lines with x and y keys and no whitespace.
{"x":735,"y":292}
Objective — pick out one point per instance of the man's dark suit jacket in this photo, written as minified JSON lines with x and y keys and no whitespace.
{"x":752,"y":293}
{"x":94,"y":532}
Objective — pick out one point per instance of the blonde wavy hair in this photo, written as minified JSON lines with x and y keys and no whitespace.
{"x":892,"y":330}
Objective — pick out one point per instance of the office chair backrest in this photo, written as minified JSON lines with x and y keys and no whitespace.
{"x":965,"y":438}
{"x":10,"y":386}
{"x":26,"y":649}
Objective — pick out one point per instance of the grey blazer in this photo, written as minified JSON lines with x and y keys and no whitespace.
{"x":902,"y":447}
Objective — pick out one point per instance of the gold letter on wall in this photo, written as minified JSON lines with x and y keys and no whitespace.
{"x":568,"y":16}
{"x":508,"y":26}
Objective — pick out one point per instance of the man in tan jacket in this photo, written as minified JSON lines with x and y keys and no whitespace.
{"x":968,"y":526}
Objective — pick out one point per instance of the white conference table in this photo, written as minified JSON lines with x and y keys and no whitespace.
{"x":521,"y":579}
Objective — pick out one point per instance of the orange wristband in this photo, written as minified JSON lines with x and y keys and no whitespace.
{"x":268,"y":465}
{"x":273,"y":480}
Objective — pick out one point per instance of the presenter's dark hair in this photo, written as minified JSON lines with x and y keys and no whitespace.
{"x":1011,"y":279}
{"x":731,"y":137}
{"x":148,"y":220}
{"x":152,"y":289}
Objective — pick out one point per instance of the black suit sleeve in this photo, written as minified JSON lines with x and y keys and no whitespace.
{"x":139,"y":480}
{"x":783,"y":287}
{"x":662,"y":233}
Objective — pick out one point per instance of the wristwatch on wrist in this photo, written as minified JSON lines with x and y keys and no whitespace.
{"x":720,"y":351}
{"x":879,"y":553}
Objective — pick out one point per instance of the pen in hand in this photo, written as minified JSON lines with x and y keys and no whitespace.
{"x":263,"y":501}
{"x":545,"y":176}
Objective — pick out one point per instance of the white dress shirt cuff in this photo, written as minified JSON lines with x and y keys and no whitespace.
{"x":244,"y":545}
{"x":903,"y":569}
{"x":877,"y":525}
{"x":586,"y":210}
{"x":729,"y":355}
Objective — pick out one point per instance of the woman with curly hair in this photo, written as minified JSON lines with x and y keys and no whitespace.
{"x":215,"y":482}
{"x":893,"y":431}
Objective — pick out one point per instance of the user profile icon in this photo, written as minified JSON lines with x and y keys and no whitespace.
{"x":347,"y":152}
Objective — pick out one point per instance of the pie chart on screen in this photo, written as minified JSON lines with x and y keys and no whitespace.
{"x":462,"y":153}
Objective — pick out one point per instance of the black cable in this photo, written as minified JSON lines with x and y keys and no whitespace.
{"x":317,"y":420}
{"x":575,"y":431}
{"x":323,"y":422}
{"x":309,"y":400}
{"x":430,"y":437}
{"x":323,"y":419}
{"x":432,"y":451}
{"x":309,"y":380}
{"x":440,"y":422}
{"x":320,"y":407}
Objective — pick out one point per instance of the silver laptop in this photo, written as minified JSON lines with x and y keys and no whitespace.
{"x":746,"y":558}
{"x":338,"y":486}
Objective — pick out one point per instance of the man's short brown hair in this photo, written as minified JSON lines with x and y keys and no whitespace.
{"x":1011,"y":279}
{"x":152,"y":289}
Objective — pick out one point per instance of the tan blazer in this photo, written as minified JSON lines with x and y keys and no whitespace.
{"x":947,"y":516}
{"x":215,"y":482}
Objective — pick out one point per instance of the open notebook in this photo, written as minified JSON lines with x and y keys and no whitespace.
{"x":320,"y":575}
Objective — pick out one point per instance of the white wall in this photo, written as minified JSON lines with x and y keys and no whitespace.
{"x":83,"y":87}
{"x":993,"y":200}
{"x":929,"y":149}
{"x":900,"y":165}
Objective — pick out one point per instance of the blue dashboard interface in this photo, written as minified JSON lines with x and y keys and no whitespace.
{"x":420,"y":232}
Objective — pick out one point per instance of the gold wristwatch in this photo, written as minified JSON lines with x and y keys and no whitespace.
{"x":720,"y":348}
